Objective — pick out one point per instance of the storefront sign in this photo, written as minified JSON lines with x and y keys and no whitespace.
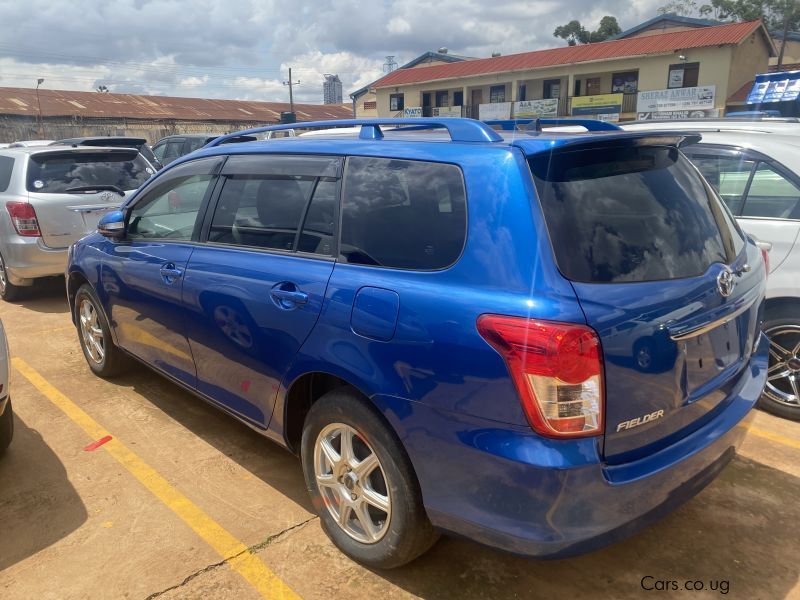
{"x":447,"y":111}
{"x":678,"y":115}
{"x":626,"y":83}
{"x":494,"y":111}
{"x":681,"y":99}
{"x":605,"y":107}
{"x":775,"y":87}
{"x":412,"y":112}
{"x":531,"y":109}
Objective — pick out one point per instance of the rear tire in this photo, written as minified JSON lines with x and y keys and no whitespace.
{"x":8,"y":291}
{"x":385,"y":494}
{"x":94,"y":334}
{"x":6,"y":427}
{"x":781,"y":395}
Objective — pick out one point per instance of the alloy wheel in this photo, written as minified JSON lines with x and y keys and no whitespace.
{"x":352,"y":483}
{"x":783,"y":376}
{"x":91,"y":332}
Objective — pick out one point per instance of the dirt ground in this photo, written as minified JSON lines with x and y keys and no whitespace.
{"x":184,"y":502}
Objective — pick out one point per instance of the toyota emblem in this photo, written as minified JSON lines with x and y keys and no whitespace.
{"x":106,"y":196}
{"x":725,"y":282}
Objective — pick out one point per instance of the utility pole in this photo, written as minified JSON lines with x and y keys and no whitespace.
{"x":390,"y":64}
{"x":290,"y":83}
{"x":39,"y":82}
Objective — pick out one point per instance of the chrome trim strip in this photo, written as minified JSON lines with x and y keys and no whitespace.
{"x":701,"y":329}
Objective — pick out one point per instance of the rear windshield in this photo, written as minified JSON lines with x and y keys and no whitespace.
{"x":631,"y":214}
{"x":54,"y":172}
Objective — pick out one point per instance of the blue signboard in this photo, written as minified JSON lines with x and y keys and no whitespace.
{"x":775,"y":87}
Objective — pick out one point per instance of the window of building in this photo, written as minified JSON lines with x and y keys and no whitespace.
{"x":442,"y":99}
{"x":396,"y":102}
{"x":625,"y":83}
{"x":265,"y":202}
{"x":458,"y":98}
{"x":402,"y":214}
{"x":552,"y":88}
{"x":497,"y":93}
{"x":683,"y":75}
{"x":522,"y":92}
{"x":372,"y":105}
{"x":593,"y":86}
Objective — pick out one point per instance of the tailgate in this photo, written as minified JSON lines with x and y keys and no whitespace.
{"x":665,"y":278}
{"x":66,"y":218}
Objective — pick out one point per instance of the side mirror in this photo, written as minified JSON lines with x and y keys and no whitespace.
{"x":112,"y":225}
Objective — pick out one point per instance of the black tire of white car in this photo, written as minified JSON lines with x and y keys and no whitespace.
{"x":782,"y":321}
{"x":409,"y":532}
{"x":113,"y":361}
{"x":6,"y":427}
{"x":8,"y":291}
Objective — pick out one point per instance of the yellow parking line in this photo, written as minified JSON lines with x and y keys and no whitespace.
{"x":774,"y":437}
{"x":227,"y":546}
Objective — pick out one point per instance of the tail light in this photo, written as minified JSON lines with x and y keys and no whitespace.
{"x":23,"y":217}
{"x":765,"y":256}
{"x":557,"y":370}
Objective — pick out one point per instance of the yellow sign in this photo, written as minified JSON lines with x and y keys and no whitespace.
{"x":606,"y":106}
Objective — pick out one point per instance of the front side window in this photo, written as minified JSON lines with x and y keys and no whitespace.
{"x":279,"y":203}
{"x":402,"y":214}
{"x":631,"y":214}
{"x":771,"y":195}
{"x":727,"y":174}
{"x":173,"y":149}
{"x":170,"y":209}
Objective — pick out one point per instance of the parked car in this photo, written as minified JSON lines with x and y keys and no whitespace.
{"x":780,"y":125}
{"x":445,"y":327}
{"x":758,"y":177}
{"x":51,"y":196}
{"x":174,"y":146}
{"x":30,"y":143}
{"x":114,"y":142}
{"x":6,"y":412}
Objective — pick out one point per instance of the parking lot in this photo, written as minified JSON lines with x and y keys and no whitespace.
{"x":184,"y":502}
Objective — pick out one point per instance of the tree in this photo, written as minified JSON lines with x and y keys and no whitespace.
{"x":102,"y":89}
{"x":575,"y":33}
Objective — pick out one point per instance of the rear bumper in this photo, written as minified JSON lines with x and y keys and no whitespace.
{"x":27,"y":258}
{"x":553,"y":498}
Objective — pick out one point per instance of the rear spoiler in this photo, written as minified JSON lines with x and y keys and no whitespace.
{"x":71,"y":150}
{"x":679,"y":139}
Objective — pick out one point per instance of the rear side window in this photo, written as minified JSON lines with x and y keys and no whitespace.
{"x":64,"y":172}
{"x":402,"y":214}
{"x":771,"y":195}
{"x":6,"y":166}
{"x":728,"y":175}
{"x":631,"y":214}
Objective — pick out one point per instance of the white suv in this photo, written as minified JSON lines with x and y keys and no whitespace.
{"x":757,"y":174}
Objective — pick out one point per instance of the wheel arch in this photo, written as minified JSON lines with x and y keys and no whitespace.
{"x":781,"y":304}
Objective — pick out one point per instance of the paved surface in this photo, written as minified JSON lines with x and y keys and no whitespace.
{"x":184,"y":502}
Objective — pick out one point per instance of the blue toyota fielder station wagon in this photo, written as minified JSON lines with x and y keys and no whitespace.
{"x":540,"y":341}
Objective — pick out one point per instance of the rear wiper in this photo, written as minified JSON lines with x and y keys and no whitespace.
{"x":95,"y":188}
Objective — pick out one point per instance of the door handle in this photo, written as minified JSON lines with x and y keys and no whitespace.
{"x":290,"y":296}
{"x":170,"y":273}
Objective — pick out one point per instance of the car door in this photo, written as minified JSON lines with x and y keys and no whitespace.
{"x":142,"y":275}
{"x":763,"y":195}
{"x":254,"y":290}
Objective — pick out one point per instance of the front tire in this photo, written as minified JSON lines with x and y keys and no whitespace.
{"x":362,"y":483}
{"x":781,"y":395}
{"x":6,"y":427}
{"x":94,"y":335}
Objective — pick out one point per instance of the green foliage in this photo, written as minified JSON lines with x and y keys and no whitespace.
{"x":575,"y":33}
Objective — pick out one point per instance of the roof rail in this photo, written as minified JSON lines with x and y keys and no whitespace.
{"x":460,"y":130}
{"x":589,"y":124}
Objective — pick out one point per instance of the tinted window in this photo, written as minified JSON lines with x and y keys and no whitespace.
{"x":169,"y":210}
{"x":403,"y":214}
{"x":174,"y":149}
{"x":630,"y":214}
{"x":266,"y":200}
{"x":728,"y":175}
{"x":771,"y":195}
{"x":193,"y":144}
{"x":158,"y":151}
{"x":56,"y":172}
{"x":6,"y":166}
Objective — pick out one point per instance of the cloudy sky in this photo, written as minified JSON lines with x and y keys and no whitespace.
{"x":243,"y":48}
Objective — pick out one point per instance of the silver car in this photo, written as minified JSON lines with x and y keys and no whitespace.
{"x":757,"y":174}
{"x":6,"y":415}
{"x":52,"y":196}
